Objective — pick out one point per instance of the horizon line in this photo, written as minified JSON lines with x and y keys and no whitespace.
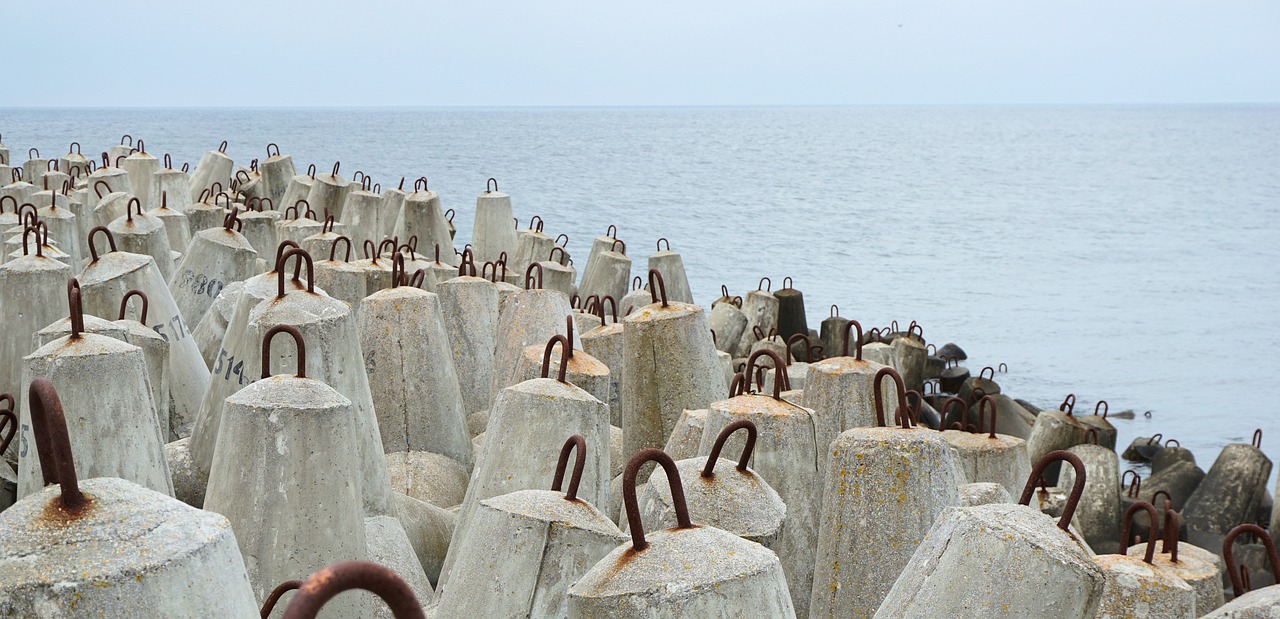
{"x":647,"y":106}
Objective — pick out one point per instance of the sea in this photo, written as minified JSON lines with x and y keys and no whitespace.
{"x":1121,"y":253}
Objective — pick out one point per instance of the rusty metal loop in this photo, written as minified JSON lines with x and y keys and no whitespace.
{"x":117,"y":163}
{"x":1126,"y":524}
{"x":222,"y":148}
{"x":124,"y":304}
{"x":844,"y":350}
{"x":662,"y":240}
{"x":1237,"y":586}
{"x":1104,"y":406}
{"x":634,"y":522}
{"x":617,"y":242}
{"x":781,"y":382}
{"x":53,"y":444}
{"x":1124,"y":477}
{"x":397,"y":270}
{"x":964,"y":410}
{"x":1068,"y":403}
{"x":98,"y":191}
{"x":987,"y":402}
{"x":1173,"y":442}
{"x":492,"y":182}
{"x":982,"y":374}
{"x":334,"y":172}
{"x":93,"y":250}
{"x":1004,"y":368}
{"x":334,"y":248}
{"x":128,"y":208}
{"x":33,"y":153}
{"x":758,"y":332}
{"x":335,"y":578}
{"x":468,"y":261}
{"x":12,"y":199}
{"x":1257,"y":439}
{"x":186,"y":167}
{"x":9,"y":422}
{"x":1155,"y":497}
{"x":311,"y":171}
{"x":297,"y":339}
{"x":660,"y":290}
{"x":126,"y":137}
{"x":539,"y":221}
{"x":565,"y":345}
{"x":281,"y":589}
{"x":919,"y":331}
{"x":233,"y":219}
{"x":449,"y":216}
{"x":168,"y":162}
{"x":796,"y":337}
{"x":387,"y":242}
{"x":709,"y":471}
{"x":552,"y":256}
{"x":366,"y":183}
{"x":50,"y":166}
{"x":1155,"y":439}
{"x":528,"y":276}
{"x":1171,"y":525}
{"x":613,"y":305}
{"x":74,"y":308}
{"x":1090,"y":436}
{"x":269,"y":155}
{"x":329,"y":222}
{"x":579,"y":463}
{"x":302,"y":256}
{"x":761,"y":285}
{"x":280,"y":249}
{"x":1077,"y":488}
{"x":737,"y":386}
{"x":1135,"y":486}
{"x":26,"y":229}
{"x":371,"y":251}
{"x":611,"y":232}
{"x":420,"y":184}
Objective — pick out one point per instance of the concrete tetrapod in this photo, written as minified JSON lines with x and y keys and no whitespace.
{"x":258,"y":221}
{"x":108,"y":547}
{"x":909,"y":356}
{"x":791,"y":315}
{"x":831,"y":332}
{"x":143,"y":233}
{"x":176,"y":225}
{"x":526,"y":547}
{"x":605,"y":343}
{"x":343,"y":279}
{"x":107,"y":278}
{"x":884,"y":488}
{"x":1197,"y":567}
{"x":409,"y":364}
{"x":599,"y":245}
{"x":213,"y":169}
{"x":299,"y":187}
{"x":469,"y":310}
{"x":361,"y":212}
{"x":155,"y":350}
{"x":797,"y":371}
{"x":493,"y":233}
{"x":671,"y":266}
{"x":686,"y":437}
{"x":1106,"y":431}
{"x":175,"y":183}
{"x":267,"y":481}
{"x":213,"y":327}
{"x":990,"y":457}
{"x":685,"y":571}
{"x":1054,"y":430}
{"x":532,"y":244}
{"x":1260,"y":604}
{"x":735,"y":499}
{"x":115,"y":429}
{"x":530,"y":316}
{"x":321,"y":243}
{"x":671,"y":366}
{"x":210,"y":211}
{"x":422,"y":217}
{"x":31,"y":293}
{"x":787,"y":455}
{"x":556,"y":274}
{"x":328,"y":192}
{"x":584,"y":370}
{"x":841,"y":392}
{"x":141,"y":168}
{"x":1137,"y":587}
{"x":298,"y":223}
{"x":761,"y":309}
{"x":63,"y":227}
{"x":1228,"y":495}
{"x":525,"y":418}
{"x":728,"y":323}
{"x":609,"y":274}
{"x":276,"y":170}
{"x":1000,"y":560}
{"x":1098,"y":515}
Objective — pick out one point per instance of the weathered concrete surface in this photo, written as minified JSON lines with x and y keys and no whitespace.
{"x":133,"y":552}
{"x":761,"y":309}
{"x":697,"y":572}
{"x":213,"y":327}
{"x":1135,"y":588}
{"x":686,"y":436}
{"x":155,"y":350}
{"x":429,"y":529}
{"x":610,"y":274}
{"x":141,"y":166}
{"x":584,"y":371}
{"x":409,"y":363}
{"x":176,"y":226}
{"x":175,"y":184}
{"x":33,"y":293}
{"x":214,"y":167}
{"x":527,"y":318}
{"x":111,"y":418}
{"x":841,"y":392}
{"x":259,"y":227}
{"x":493,"y":233}
{"x":1053,"y":430}
{"x":430,"y":477}
{"x":1098,"y":512}
{"x":884,"y":488}
{"x":1169,"y":456}
{"x":983,"y":493}
{"x":1197,"y":567}
{"x":389,"y":545}
{"x":423,"y":217}
{"x":328,"y":192}
{"x":1259,"y":604}
{"x":740,"y":502}
{"x":605,"y":343}
{"x":524,"y":551}
{"x":671,"y":266}
{"x":189,"y":483}
{"x":787,"y":456}
{"x":1228,"y":495}
{"x":670,"y":365}
{"x":909,"y":356}
{"x":980,"y":458}
{"x":1106,"y":432}
{"x":361,"y":214}
{"x":531,"y":246}
{"x":996,"y":560}
{"x":729,"y":323}
{"x":267,"y":481}
{"x":276,"y":171}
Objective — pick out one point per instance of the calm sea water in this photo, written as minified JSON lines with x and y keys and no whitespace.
{"x":1123,"y":253}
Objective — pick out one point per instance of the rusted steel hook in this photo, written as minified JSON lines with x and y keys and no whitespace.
{"x":901,"y":415}
{"x":781,"y":382}
{"x":1077,"y":488}
{"x":844,"y":350}
{"x":281,"y":589}
{"x":761,"y":285}
{"x":1257,"y":439}
{"x":8,"y":425}
{"x":266,"y":349}
{"x":53,"y":445}
{"x":335,"y":578}
{"x":797,"y":337}
{"x":579,"y":463}
{"x":1237,"y":585}
{"x":617,"y":242}
{"x":1068,"y":403}
{"x":1126,"y":524}
{"x":566,"y":349}
{"x":93,"y":250}
{"x":492,"y":182}
{"x":1091,"y":436}
{"x":302,"y":256}
{"x":659,"y":291}
{"x":638,"y":543}
{"x":124,"y":304}
{"x":987,"y":402}
{"x":528,"y":276}
{"x":708,"y":471}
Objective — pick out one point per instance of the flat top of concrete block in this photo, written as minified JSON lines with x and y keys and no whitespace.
{"x":341,"y":265}
{"x":846,"y":365}
{"x":285,"y":391}
{"x":981,"y":441}
{"x":1023,"y":522}
{"x":32,"y":263}
{"x":655,"y":311}
{"x":92,"y":324}
{"x":402,"y":294}
{"x":891,"y":437}
{"x":676,"y":562}
{"x":613,"y":328}
{"x":757,"y":404}
{"x":742,"y":503}
{"x":226,"y":238}
{"x":87,"y":345}
{"x":266,"y":285}
{"x":581,"y":363}
{"x":551,"y":506}
{"x":112,"y":265}
{"x":298,"y":309}
{"x":125,"y":530}
{"x":135,"y":329}
{"x":551,"y":388}
{"x":1133,"y":573}
{"x":464,"y":281}
{"x":1185,"y":551}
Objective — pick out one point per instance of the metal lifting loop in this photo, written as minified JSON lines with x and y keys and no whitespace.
{"x":528,"y":276}
{"x":1104,"y":406}
{"x":124,"y":304}
{"x":297,"y":339}
{"x":53,"y":445}
{"x":761,"y":285}
{"x":492,"y":182}
{"x":850,"y":326}
{"x":613,"y":305}
{"x":708,"y":471}
{"x":1068,"y":403}
{"x":1126,"y":524}
{"x":989,"y":403}
{"x":222,"y":148}
{"x":280,"y":249}
{"x":335,"y":578}
{"x":662,"y":240}
{"x":901,"y":415}
{"x":617,"y":242}
{"x":797,"y":337}
{"x":93,"y":249}
{"x":74,"y":309}
{"x":660,"y":290}
{"x":781,"y":382}
{"x":1257,"y":439}
{"x":302,"y":256}
{"x":579,"y":463}
{"x":638,"y":543}
{"x":275,"y":595}
{"x":269,"y":147}
{"x":565,"y":345}
{"x":334,"y":248}
{"x":1077,"y":488}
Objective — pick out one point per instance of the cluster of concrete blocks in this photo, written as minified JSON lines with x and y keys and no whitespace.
{"x":485,"y":433}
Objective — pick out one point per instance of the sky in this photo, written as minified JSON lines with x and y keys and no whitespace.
{"x":248,"y":53}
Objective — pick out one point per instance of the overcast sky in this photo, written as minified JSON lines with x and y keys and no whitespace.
{"x":655,"y":52}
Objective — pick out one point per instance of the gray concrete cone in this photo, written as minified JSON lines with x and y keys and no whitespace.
{"x":392,"y":211}
{"x":73,"y":162}
{"x":787,"y":455}
{"x":276,"y":171}
{"x":634,"y":300}
{"x":599,"y":245}
{"x":115,"y":430}
{"x":1136,"y":586}
{"x":1194,"y":565}
{"x":422,"y":217}
{"x":990,"y":457}
{"x":258,"y":225}
{"x":525,"y":418}
{"x":609,"y":275}
{"x":107,"y":278}
{"x":341,"y":278}
{"x":429,"y":529}
{"x":671,"y":266}
{"x":791,"y":316}
{"x":267,"y":481}
{"x":884,"y":488}
{"x":141,"y":168}
{"x":429,"y":477}
{"x":176,"y":224}
{"x":32,"y":293}
{"x":671,"y":366}
{"x":1054,"y":430}
{"x":173,"y":182}
{"x":977,"y":562}
{"x":909,"y":355}
{"x":142,"y":233}
{"x":841,"y":391}
{"x":213,"y":169}
{"x":1228,"y":495}
{"x":831,"y":333}
{"x":983,"y":493}
{"x":684,"y":571}
{"x":298,"y":223}
{"x":469,"y":310}
{"x":526,"y":546}
{"x":108,"y":547}
{"x":377,"y":266}
{"x":532,"y":245}
{"x":361,"y":212}
{"x":761,"y":309}
{"x":109,"y":206}
{"x":213,"y":326}
{"x":729,"y":323}
{"x":1170,"y":455}
{"x":1106,"y":431}
{"x":1098,"y":514}
{"x":328,"y":193}
{"x":215,"y":258}
{"x":409,"y":363}
{"x":1143,"y":448}
{"x":35,"y":236}
{"x":529,"y":317}
{"x":35,"y":166}
{"x":974,"y":387}
{"x":155,"y":350}
{"x":584,"y":370}
{"x":389,"y":545}
{"x":64,"y":230}
{"x":493,"y":233}
{"x":687,"y":435}
{"x":299,"y":188}
{"x":1258,"y":604}
{"x":720,"y":493}
{"x":605,"y":343}
{"x":557,"y":276}
{"x":210,"y":211}
{"x":19,"y":190}
{"x":1179,"y":481}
